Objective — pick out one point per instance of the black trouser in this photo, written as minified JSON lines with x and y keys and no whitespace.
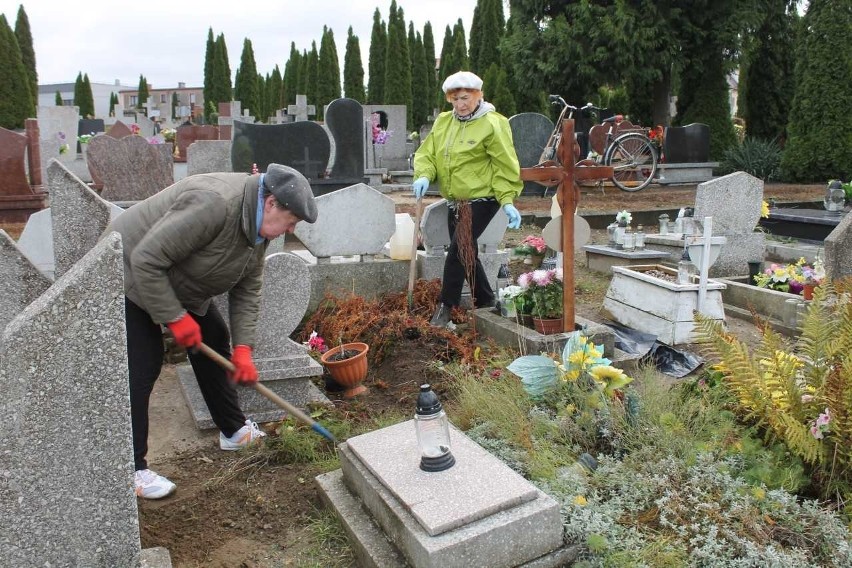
{"x":145,"y":360}
{"x":454,"y":272}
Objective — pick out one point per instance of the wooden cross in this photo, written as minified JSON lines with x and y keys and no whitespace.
{"x":567,"y":195}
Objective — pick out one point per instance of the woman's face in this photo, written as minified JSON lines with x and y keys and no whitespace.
{"x":464,"y":101}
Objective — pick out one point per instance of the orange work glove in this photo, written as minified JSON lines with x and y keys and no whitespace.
{"x":186,"y":331}
{"x":244,"y":372}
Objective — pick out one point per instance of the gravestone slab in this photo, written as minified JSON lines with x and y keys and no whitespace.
{"x":304,"y":146}
{"x":838,"y":250}
{"x":145,"y":124}
{"x":335,"y":233}
{"x":36,"y":241}
{"x":66,"y":403}
{"x":55,"y":121}
{"x":90,"y":126}
{"x":130,"y":168}
{"x":20,"y":280}
{"x":186,"y":135}
{"x":283,"y":365}
{"x":78,"y":216}
{"x":119,"y":130}
{"x":344,"y":118}
{"x":734,"y":201}
{"x":208,"y":156}
{"x":690,"y":143}
{"x":17,"y":198}
{"x":436,"y":232}
{"x":394,"y":156}
{"x":530,"y":132}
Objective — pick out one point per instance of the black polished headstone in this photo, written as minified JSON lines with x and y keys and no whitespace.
{"x":530,"y":132}
{"x":688,"y":144}
{"x":89,"y":126}
{"x":303,"y":146}
{"x":345,"y":120}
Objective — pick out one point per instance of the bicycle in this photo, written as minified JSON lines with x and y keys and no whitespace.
{"x":628,"y":150}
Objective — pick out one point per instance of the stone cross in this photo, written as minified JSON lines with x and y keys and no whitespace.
{"x":301,"y":110}
{"x":310,"y":168}
{"x":568,"y":195}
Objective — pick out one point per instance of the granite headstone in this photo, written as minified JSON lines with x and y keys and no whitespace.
{"x":66,"y":408}
{"x":188,"y":134}
{"x":130,"y":168}
{"x":89,"y":126}
{"x":20,"y":281}
{"x":530,"y":132}
{"x":688,"y":144}
{"x":303,"y":146}
{"x":208,"y":156}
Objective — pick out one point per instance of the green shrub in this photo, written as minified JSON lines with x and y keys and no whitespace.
{"x":758,"y":157}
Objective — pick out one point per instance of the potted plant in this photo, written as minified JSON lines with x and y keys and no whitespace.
{"x":532,"y":248}
{"x":347,"y":364}
{"x":544,"y":288}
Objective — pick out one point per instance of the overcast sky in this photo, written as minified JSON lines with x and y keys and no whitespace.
{"x":166,"y":42}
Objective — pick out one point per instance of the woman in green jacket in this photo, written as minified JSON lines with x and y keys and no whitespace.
{"x":471,"y":154}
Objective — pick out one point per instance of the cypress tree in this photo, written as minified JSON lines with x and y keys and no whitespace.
{"x":497,"y":91}
{"x":58,"y":99}
{"x":768,"y":85}
{"x":398,"y":67}
{"x":88,"y":99}
{"x":263,"y":97}
{"x":15,"y":100}
{"x":113,"y":100}
{"x":274,"y":91}
{"x":447,"y":63}
{"x":819,"y":142}
{"x":221,"y":74}
{"x":431,"y":78}
{"x":291,"y":76}
{"x":328,"y":72}
{"x":353,"y":69}
{"x":246,"y":89}
{"x":492,"y":27}
{"x":25,"y":44}
{"x":302,"y":88}
{"x":142,"y":96}
{"x":704,"y":98}
{"x":460,"y":48}
{"x":421,"y":92}
{"x":312,"y":74}
{"x":376,"y":65}
{"x":175,"y":105}
{"x":209,"y":90}
{"x":475,"y":37}
{"x":78,"y":91}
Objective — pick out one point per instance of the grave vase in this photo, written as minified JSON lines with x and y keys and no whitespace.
{"x":808,"y":291}
{"x":548,"y":326}
{"x":348,"y":372}
{"x":534,"y":260}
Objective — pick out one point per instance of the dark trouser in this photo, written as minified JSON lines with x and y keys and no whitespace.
{"x":454,"y":272}
{"x":145,"y":360}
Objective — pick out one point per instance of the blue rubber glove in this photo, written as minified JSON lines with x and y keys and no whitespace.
{"x":513,"y":215}
{"x":420,"y":186}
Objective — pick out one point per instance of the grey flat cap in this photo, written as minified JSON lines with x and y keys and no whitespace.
{"x":292,"y":190}
{"x":462,"y":80}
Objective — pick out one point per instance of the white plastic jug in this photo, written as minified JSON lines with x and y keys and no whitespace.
{"x":400,"y":241}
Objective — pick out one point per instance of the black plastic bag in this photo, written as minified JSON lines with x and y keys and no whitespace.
{"x":666,"y":359}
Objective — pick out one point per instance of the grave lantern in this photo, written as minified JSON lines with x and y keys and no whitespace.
{"x":664,"y":224}
{"x":433,"y":432}
{"x":835,"y":197}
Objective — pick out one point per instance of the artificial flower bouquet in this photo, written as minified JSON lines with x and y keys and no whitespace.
{"x":624,"y":217}
{"x":791,"y":278}
{"x":530,"y":246}
{"x":541,"y":293}
{"x":507,"y":297}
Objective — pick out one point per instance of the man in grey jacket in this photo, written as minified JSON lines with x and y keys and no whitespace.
{"x":203,"y":236}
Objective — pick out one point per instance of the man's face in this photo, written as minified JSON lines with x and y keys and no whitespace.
{"x":276,"y":220}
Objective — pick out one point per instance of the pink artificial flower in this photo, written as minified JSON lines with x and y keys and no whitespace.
{"x":542,"y":277}
{"x":816,"y":432}
{"x":524,"y":280}
{"x":824,"y":418}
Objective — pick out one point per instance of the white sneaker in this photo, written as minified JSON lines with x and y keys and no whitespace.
{"x":149,"y":485}
{"x":242,"y":437}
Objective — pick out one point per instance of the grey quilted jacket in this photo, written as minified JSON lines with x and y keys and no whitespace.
{"x":193,"y":241}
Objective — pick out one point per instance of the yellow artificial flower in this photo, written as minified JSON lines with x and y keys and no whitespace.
{"x":610,"y":377}
{"x":580,"y":500}
{"x":764,"y":209}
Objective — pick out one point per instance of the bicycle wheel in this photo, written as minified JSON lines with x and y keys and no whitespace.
{"x":633,"y":160}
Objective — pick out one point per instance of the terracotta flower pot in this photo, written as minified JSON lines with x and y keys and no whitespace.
{"x":808,"y":291}
{"x":348,"y":372}
{"x":547,"y":326}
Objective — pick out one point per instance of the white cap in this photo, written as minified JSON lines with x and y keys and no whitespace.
{"x":462,"y":80}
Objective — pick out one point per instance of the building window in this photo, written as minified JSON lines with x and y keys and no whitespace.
{"x":162,"y":97}
{"x":192,"y":98}
{"x":133,"y":100}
